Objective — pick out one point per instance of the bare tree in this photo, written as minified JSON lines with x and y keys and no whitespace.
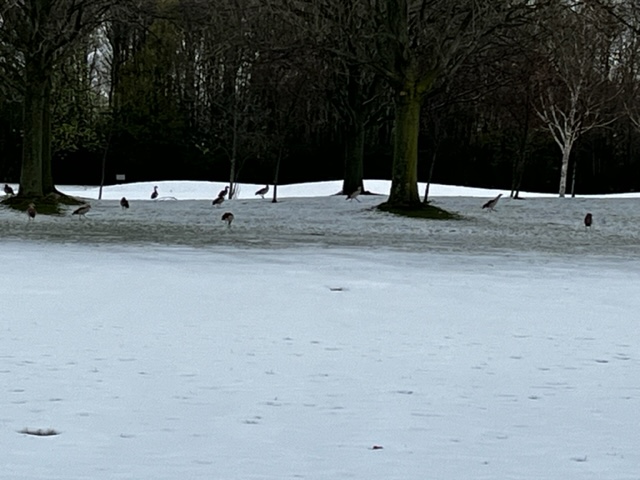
{"x":574,"y":88}
{"x":627,"y":55}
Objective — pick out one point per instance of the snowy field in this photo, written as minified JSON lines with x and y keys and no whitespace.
{"x":319,"y":339}
{"x":312,"y":215}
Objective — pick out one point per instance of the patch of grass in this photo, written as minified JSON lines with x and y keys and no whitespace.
{"x":48,"y":205}
{"x":39,"y":432}
{"x":427,"y":211}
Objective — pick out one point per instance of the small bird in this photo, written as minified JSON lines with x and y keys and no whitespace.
{"x":263,"y":191}
{"x":218,"y":201}
{"x":154,"y":194}
{"x":8,"y":190}
{"x":124,"y":203}
{"x":223,"y":193}
{"x":588,"y":220}
{"x":228,"y":217}
{"x":354,"y":195}
{"x":31,"y":211}
{"x":491,"y":204}
{"x":82,"y":210}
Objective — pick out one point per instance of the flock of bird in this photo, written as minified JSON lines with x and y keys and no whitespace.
{"x":229,"y":217}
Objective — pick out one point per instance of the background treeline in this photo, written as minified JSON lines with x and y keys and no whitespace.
{"x":282,"y":90}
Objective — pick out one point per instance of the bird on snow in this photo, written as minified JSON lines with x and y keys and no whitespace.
{"x":223,"y":193}
{"x":124,"y":203}
{"x":588,"y":220}
{"x":491,"y":204}
{"x":263,"y":191}
{"x":31,"y":211}
{"x":154,"y":194}
{"x":228,"y":217}
{"x":354,"y":195}
{"x":8,"y":190}
{"x":82,"y":210}
{"x":218,"y":201}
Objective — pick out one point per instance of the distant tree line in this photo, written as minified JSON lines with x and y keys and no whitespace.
{"x":511,"y":94}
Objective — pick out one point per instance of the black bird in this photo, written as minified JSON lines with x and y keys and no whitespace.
{"x":124,"y":203}
{"x":354,"y":195}
{"x":31,"y":211}
{"x":263,"y":191}
{"x":228,"y":217}
{"x":223,"y":193}
{"x":218,"y":201}
{"x":154,"y":194}
{"x":588,"y":220}
{"x":8,"y":190}
{"x":491,"y":204}
{"x":82,"y":211}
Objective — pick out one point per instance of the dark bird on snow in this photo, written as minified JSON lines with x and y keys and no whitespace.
{"x":223,"y":193}
{"x":82,"y":210}
{"x":124,"y":203}
{"x":588,"y":220}
{"x":491,"y":204}
{"x":31,"y":211}
{"x":263,"y":191}
{"x":354,"y":195}
{"x":218,"y":201}
{"x":228,"y":217}
{"x":8,"y":190}
{"x":154,"y":194}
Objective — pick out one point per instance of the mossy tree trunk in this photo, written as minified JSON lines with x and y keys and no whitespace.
{"x":410,"y":82}
{"x":404,"y":175}
{"x":35,"y":98}
{"x":36,"y":177}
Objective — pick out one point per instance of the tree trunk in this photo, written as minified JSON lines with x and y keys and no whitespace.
{"x":517,"y":171}
{"x":234,"y":153}
{"x":431,"y":169}
{"x":519,"y":175}
{"x":276,"y":174}
{"x":573,"y":178}
{"x":566,"y":154}
{"x":47,"y":167}
{"x":353,"y":156}
{"x":31,"y":184}
{"x":404,"y":176}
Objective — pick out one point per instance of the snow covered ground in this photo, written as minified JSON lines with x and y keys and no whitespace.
{"x":537,"y":224}
{"x":161,"y":344}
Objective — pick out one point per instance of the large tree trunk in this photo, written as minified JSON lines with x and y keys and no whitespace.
{"x":34,"y":107}
{"x":47,"y":171}
{"x":404,"y":176}
{"x":354,"y":156}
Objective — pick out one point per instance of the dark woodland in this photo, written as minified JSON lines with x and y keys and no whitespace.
{"x":511,"y":94}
